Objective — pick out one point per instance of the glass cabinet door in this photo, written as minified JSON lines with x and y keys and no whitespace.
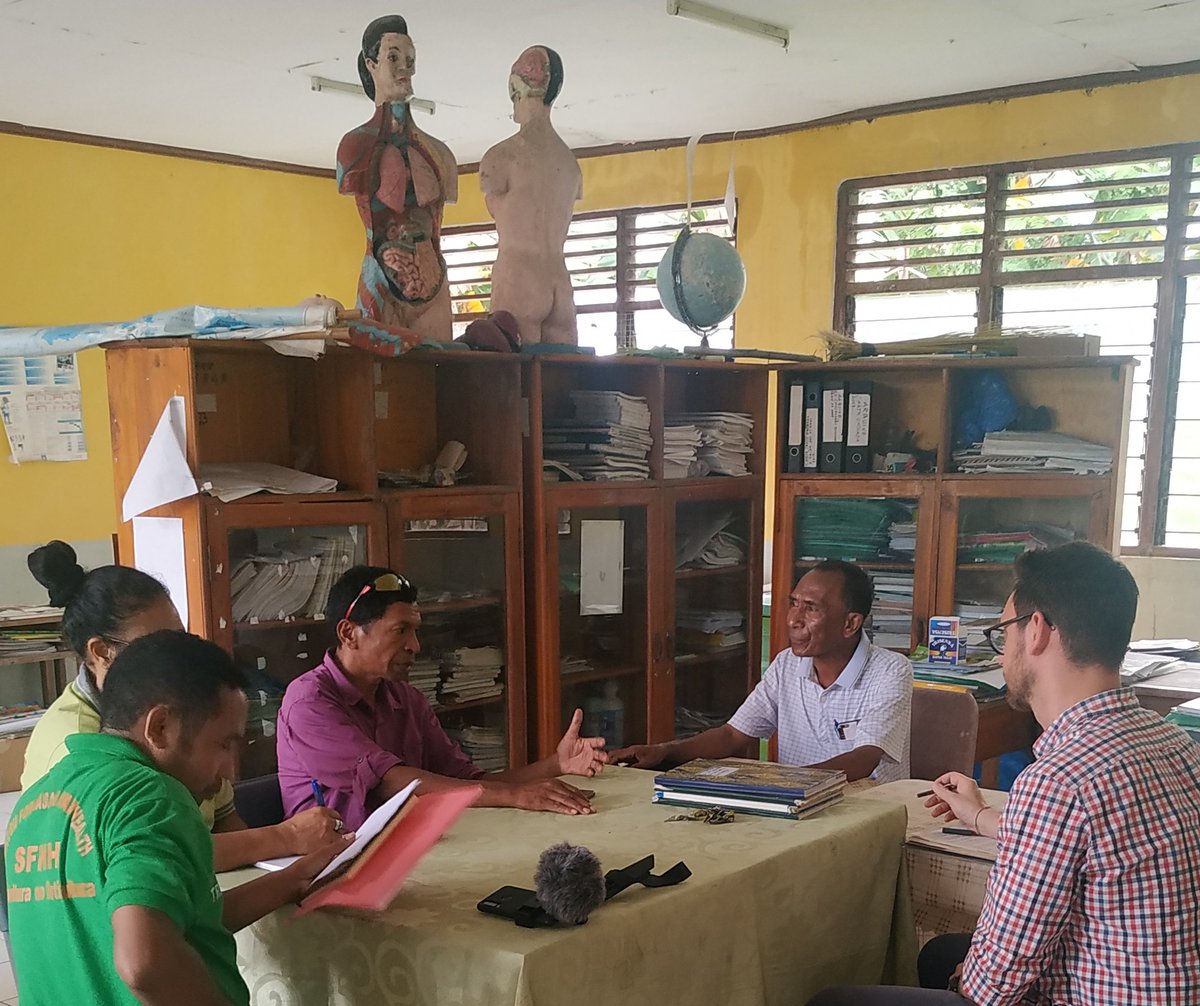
{"x":988,"y":534}
{"x":879,"y":533}
{"x":716,"y":620}
{"x":279,"y":578}
{"x":458,"y":566}
{"x":602,"y":619}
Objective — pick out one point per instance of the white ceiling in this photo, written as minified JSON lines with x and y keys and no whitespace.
{"x":233,"y":75}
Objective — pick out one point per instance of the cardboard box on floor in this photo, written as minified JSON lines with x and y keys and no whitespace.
{"x":12,"y":761}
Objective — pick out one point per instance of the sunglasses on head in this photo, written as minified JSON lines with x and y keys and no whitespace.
{"x":387,"y":583}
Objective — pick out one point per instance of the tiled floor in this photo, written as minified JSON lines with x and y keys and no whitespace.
{"x":8,"y":985}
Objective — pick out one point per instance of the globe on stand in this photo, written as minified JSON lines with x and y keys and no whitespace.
{"x":701,"y":281}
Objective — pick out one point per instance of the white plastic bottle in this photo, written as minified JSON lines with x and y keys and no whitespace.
{"x":605,"y":716}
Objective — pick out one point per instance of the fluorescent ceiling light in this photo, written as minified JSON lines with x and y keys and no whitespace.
{"x":727,"y":19}
{"x":342,"y":87}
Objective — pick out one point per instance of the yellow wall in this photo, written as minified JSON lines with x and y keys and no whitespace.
{"x":787,"y":184}
{"x":91,"y":233}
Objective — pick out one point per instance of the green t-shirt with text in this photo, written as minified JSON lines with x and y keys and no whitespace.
{"x":105,"y":828}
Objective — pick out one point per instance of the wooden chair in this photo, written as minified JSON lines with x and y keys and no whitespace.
{"x":945,"y":727}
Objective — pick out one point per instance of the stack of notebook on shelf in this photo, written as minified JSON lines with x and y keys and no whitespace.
{"x":709,"y":629}
{"x":689,"y":722}
{"x":472,"y":673}
{"x":487,"y":747}
{"x":902,"y":537}
{"x":1005,"y":544}
{"x":892,"y":610}
{"x":1187,"y":718}
{"x":750,"y":787}
{"x":704,"y":540}
{"x":726,"y":439}
{"x":681,"y":447}
{"x":844,"y":528}
{"x":608,"y":440}
{"x":20,"y":718}
{"x":568,"y":665}
{"x":291,"y":581}
{"x":425,"y":676}
{"x":14,"y":642}
{"x":984,"y":678}
{"x":1014,"y":451}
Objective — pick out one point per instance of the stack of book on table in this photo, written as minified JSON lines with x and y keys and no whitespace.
{"x":750,"y":787}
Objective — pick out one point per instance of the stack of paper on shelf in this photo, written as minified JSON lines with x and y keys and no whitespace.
{"x":472,"y":672}
{"x":902,"y":537}
{"x":709,"y":629}
{"x":289,"y":582}
{"x":1016,"y":451}
{"x":750,"y":787}
{"x":487,"y":747}
{"x":844,"y":528}
{"x":17,"y":641}
{"x":1006,"y":543}
{"x":608,"y":440}
{"x":1181,"y":649}
{"x":892,"y":610}
{"x":986,"y":680}
{"x":726,"y":439}
{"x":689,"y":722}
{"x":681,"y":447}
{"x":425,"y":676}
{"x":19,"y":719}
{"x":230,"y":481}
{"x":703,"y":540}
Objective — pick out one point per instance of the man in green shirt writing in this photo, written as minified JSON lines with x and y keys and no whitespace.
{"x":111,"y":892}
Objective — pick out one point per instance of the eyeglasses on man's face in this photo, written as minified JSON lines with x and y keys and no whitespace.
{"x":994,"y":634}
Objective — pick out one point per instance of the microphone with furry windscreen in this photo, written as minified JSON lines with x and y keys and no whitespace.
{"x":569,"y":882}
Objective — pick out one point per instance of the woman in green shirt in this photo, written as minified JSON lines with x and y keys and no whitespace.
{"x":105,"y":610}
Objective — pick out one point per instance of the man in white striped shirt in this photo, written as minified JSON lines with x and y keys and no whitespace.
{"x":836,"y":700}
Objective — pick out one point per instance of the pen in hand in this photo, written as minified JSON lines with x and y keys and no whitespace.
{"x":950,"y":786}
{"x":317,"y":794}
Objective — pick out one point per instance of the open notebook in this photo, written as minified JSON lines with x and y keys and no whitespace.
{"x":371,"y":870}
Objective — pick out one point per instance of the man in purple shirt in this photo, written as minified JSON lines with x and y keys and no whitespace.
{"x":361,"y":732}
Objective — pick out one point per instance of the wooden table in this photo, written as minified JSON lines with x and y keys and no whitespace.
{"x":947,"y":875}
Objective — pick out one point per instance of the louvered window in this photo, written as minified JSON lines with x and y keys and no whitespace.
{"x":613,"y":261}
{"x":1108,"y":245}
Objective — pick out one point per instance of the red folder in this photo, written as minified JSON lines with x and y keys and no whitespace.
{"x":376,"y":876}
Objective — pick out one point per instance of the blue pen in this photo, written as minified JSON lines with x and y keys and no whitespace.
{"x":316,"y":788}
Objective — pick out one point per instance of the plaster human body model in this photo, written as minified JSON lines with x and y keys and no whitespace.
{"x":401,"y":178}
{"x":530,"y":183}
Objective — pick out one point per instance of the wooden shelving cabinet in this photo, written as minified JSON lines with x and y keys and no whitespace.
{"x":581,"y":652}
{"x":937,"y":512}
{"x":348,"y":416}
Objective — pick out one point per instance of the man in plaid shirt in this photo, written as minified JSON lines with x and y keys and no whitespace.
{"x":1095,"y":896}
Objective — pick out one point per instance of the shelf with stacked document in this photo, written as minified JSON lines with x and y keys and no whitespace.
{"x":249,"y":478}
{"x":886,"y":525}
{"x":463,"y":553}
{"x":934,"y":474}
{"x":999,"y":455}
{"x":643,"y":522}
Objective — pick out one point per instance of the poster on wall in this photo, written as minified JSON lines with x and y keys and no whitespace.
{"x":41,"y":408}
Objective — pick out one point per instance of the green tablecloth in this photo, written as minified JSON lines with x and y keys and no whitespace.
{"x":773,"y":912}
